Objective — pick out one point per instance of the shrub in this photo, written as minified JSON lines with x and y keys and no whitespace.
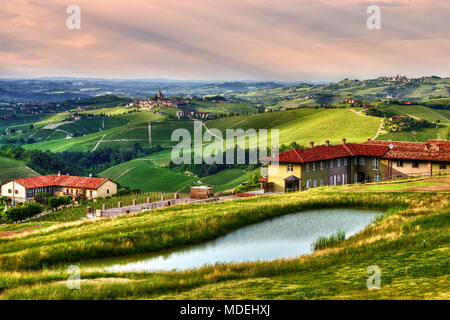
{"x":21,"y":212}
{"x":42,"y":197}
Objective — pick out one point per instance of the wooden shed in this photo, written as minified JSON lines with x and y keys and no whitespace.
{"x":203,"y":192}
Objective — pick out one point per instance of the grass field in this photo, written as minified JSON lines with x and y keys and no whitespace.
{"x":226,"y":179}
{"x":305,"y":125}
{"x":409,"y":244}
{"x":13,"y":169}
{"x":145,"y":175}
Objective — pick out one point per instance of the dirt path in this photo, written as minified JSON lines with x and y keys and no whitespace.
{"x":27,"y":229}
{"x":98,"y":142}
{"x":211,"y":133}
{"x":378,"y":130}
{"x":124,"y":173}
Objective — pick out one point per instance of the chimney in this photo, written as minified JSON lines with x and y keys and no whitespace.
{"x":311,"y":144}
{"x":327,"y":143}
{"x":59,"y":173}
{"x":344,"y":141}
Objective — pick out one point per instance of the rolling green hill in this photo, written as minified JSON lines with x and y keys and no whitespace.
{"x":13,"y":169}
{"x":305,"y":125}
{"x":144,"y":174}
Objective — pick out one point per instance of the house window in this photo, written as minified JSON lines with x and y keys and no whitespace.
{"x":338,"y":177}
{"x":375,"y":164}
{"x":362,"y":161}
{"x":307,"y":167}
{"x":321,"y":181}
{"x":321,"y":165}
{"x":16,"y":191}
{"x":107,"y":191}
{"x":331,"y":181}
{"x":308,"y":183}
{"x":377,"y":177}
{"x":290,"y":167}
{"x":442,"y":166}
{"x":415,"y":164}
{"x":400,"y":163}
{"x":345,"y":162}
{"x":331,"y":164}
{"x":338,"y":163}
{"x":315,"y":183}
{"x":314,"y":166}
{"x":9,"y":191}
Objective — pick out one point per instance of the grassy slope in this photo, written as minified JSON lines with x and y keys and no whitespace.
{"x":145,"y":175}
{"x":14,"y":169}
{"x":305,"y":125}
{"x":395,"y":243}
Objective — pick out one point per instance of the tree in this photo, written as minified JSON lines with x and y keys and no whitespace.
{"x":42,"y":197}
{"x":55,"y":202}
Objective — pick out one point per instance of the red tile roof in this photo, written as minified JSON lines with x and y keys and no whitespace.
{"x":61,"y":181}
{"x":432,"y":150}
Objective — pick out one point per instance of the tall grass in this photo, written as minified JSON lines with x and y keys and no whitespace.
{"x":326,"y":242}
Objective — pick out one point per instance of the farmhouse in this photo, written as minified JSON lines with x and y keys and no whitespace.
{"x":301,"y":169}
{"x":21,"y":190}
{"x":191,"y":114}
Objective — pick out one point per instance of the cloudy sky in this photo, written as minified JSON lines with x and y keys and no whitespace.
{"x":292,"y":40}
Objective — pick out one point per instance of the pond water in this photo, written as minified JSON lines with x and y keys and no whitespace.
{"x":287,"y":236}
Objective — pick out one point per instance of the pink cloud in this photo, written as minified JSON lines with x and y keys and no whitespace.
{"x":246,"y":39}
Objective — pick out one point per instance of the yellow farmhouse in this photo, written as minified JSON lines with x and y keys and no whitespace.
{"x":306,"y":168}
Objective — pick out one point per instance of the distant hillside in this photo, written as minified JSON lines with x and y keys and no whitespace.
{"x":13,"y":169}
{"x":369,"y":90}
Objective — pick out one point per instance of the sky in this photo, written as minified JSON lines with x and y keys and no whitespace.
{"x":284,"y":40}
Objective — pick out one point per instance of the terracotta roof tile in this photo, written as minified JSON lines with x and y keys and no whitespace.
{"x":432,"y":150}
{"x":61,"y":181}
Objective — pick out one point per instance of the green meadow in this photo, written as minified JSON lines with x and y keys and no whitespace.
{"x":145,"y":175}
{"x":409,"y":244}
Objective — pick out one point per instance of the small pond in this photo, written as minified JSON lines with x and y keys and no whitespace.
{"x":287,"y":236}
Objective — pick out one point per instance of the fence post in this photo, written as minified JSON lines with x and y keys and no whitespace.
{"x":149,"y":200}
{"x":134,"y":202}
{"x":119,"y":204}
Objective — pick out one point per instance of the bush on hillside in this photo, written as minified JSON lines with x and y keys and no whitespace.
{"x":21,"y":212}
{"x":42,"y":197}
